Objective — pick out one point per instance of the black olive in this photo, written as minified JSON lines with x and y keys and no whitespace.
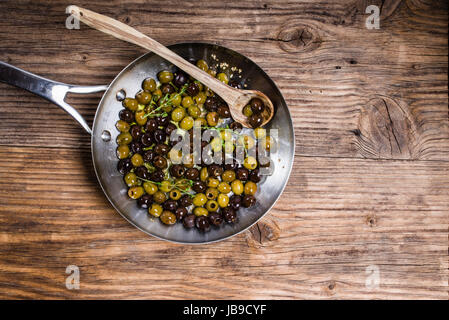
{"x":189,"y":221}
{"x":202,"y":223}
{"x":242,"y":174}
{"x":136,"y":147}
{"x":167,"y":88}
{"x":223,"y":111}
{"x":126,"y":115}
{"x":199,"y":186}
{"x":229,"y":215}
{"x":159,"y":136}
{"x":236,"y":126}
{"x":254,"y":176}
{"x":235,"y":84}
{"x":177,"y":170}
{"x":210,"y":104}
{"x":147,"y":139}
{"x":180,"y":79}
{"x":157,"y":176}
{"x":169,"y":129}
{"x":192,"y":174}
{"x":215,"y":218}
{"x":151,"y":125}
{"x":142,"y":172}
{"x":136,"y":132}
{"x":145,"y":201}
{"x":215,"y":170}
{"x":235,"y":202}
{"x":257,"y":106}
{"x":170,"y":205}
{"x":193,"y":89}
{"x":163,"y":120}
{"x":161,"y":149}
{"x":256,"y":120}
{"x":181,"y":212}
{"x":148,"y":156}
{"x":248,"y":201}
{"x":160,"y":162}
{"x":124,"y":166}
{"x":185,"y":201}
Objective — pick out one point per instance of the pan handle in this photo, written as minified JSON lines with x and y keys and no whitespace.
{"x":53,"y":91}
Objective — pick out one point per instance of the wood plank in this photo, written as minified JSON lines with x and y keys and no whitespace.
{"x":330,"y":78}
{"x":336,"y":218}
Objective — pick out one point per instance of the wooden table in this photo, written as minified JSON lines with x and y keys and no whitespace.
{"x":365,"y":212}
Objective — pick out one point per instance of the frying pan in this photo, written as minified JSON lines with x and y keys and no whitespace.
{"x":104,"y":135}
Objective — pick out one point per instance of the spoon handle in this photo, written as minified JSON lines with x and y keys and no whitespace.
{"x":124,"y":32}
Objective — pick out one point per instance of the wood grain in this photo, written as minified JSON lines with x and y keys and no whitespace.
{"x":370,"y":184}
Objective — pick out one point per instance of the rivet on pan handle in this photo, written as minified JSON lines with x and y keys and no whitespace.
{"x":51,"y":90}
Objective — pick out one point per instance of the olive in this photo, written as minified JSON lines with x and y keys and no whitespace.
{"x":200,"y":98}
{"x":124,"y":165}
{"x":204,"y":173}
{"x":211,"y":193}
{"x":122,"y":152}
{"x":169,"y":129}
{"x":124,"y":138}
{"x":257,"y":105}
{"x":250,"y":163}
{"x":199,"y":199}
{"x":180,"y":79}
{"x":250,"y":188}
{"x":202,"y":65}
{"x":161,"y":149}
{"x":155,"y":210}
{"x":175,"y":194}
{"x":254,"y":176}
{"x":212,"y":182}
{"x":231,"y":166}
{"x":159,"y":197}
{"x":189,"y":221}
{"x":211,"y":205}
{"x":167,"y":88}
{"x":235,"y":201}
{"x":160,"y":162}
{"x":215,"y":170}
{"x":248,"y":201}
{"x":151,"y":125}
{"x":223,"y":200}
{"x":202,"y":223}
{"x":163,"y":120}
{"x":165,"y":76}
{"x":175,"y":99}
{"x":135,"y":192}
{"x":122,"y":126}
{"x":224,"y":187}
{"x":150,"y":187}
{"x":185,"y":201}
{"x":229,"y":215}
{"x":200,"y":211}
{"x":260,"y":133}
{"x":180,"y":213}
{"x":223,"y":77}
{"x":187,"y":101}
{"x":236,"y":126}
{"x":148,"y":156}
{"x":194,"y":111}
{"x":136,"y":147}
{"x":215,"y":218}
{"x":145,"y":201}
{"x":199,"y":186}
{"x":147,"y":139}
{"x":136,"y":132}
{"x":212,"y":119}
{"x":235,"y":84}
{"x":126,"y":115}
{"x":149,"y":84}
{"x":223,"y":111}
{"x":228,"y":176}
{"x":159,"y":136}
{"x":237,"y":187}
{"x":168,"y":217}
{"x":192,"y":174}
{"x":131,"y":104}
{"x":143,"y":97}
{"x":255,"y":120}
{"x":242,"y":174}
{"x":177,"y":114}
{"x":187,"y":123}
{"x":157,"y":176}
{"x":177,"y":170}
{"x":247,"y":112}
{"x":157,"y":94}
{"x":137,"y":160}
{"x":211,"y":104}
{"x":193,"y":89}
{"x":170,"y":205}
{"x":142,"y":172}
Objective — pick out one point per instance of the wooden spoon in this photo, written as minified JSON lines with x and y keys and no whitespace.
{"x":235,"y":98}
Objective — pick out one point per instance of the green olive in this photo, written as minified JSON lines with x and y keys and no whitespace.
{"x":200,"y":211}
{"x":165,"y":186}
{"x":237,"y":187}
{"x":211,"y":193}
{"x":168,"y":217}
{"x":157,"y":93}
{"x":200,"y":122}
{"x":175,"y":194}
{"x":140,"y":118}
{"x":194,"y":111}
{"x":123,"y":151}
{"x":143,"y":97}
{"x":175,"y":99}
{"x":187,"y":101}
{"x":200,"y":98}
{"x":212,"y":119}
{"x":223,"y":200}
{"x":212,"y":182}
{"x":250,"y":188}
{"x":216,"y":144}
{"x":250,"y":163}
{"x":228,"y":176}
{"x":159,"y":197}
{"x":186,"y":123}
{"x":177,"y":114}
{"x":224,"y":187}
{"x":247,"y":112}
{"x":135,"y":192}
{"x":131,"y":179}
{"x":165,"y":76}
{"x":199,"y":199}
{"x":212,"y":205}
{"x":204,"y":174}
{"x":149,"y":84}
{"x":122,"y":126}
{"x":150,"y":187}
{"x":155,"y":210}
{"x":130,"y":104}
{"x":223,"y":77}
{"x":124,"y":138}
{"x":202,"y":65}
{"x":137,"y":160}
